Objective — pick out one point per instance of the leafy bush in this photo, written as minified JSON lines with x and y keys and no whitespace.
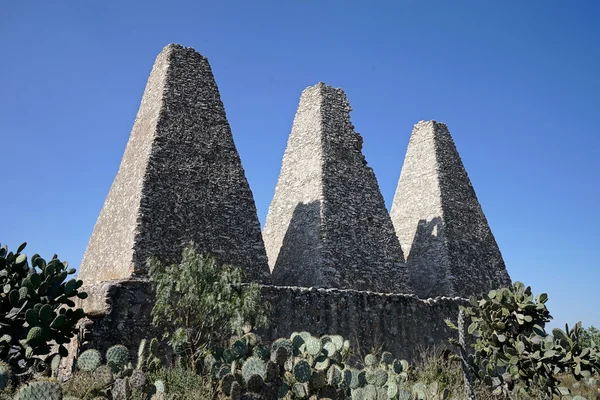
{"x":35,"y":310}
{"x":512,"y":349}
{"x":590,"y":337}
{"x":199,"y":303}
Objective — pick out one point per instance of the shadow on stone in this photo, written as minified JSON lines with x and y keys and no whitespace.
{"x":299,"y":261}
{"x":427,"y":261}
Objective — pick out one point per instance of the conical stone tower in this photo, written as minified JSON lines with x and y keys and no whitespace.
{"x":180,"y":180}
{"x":450,"y":249}
{"x":327,"y":225}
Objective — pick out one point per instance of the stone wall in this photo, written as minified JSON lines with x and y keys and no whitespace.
{"x":119,"y":312}
{"x":400,"y":323}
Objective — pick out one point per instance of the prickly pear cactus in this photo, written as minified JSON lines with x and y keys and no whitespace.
{"x":121,"y":390}
{"x":137,"y":379}
{"x":37,"y":306}
{"x":103,"y":376}
{"x":303,"y":367}
{"x":370,"y":360}
{"x":40,"y":390}
{"x":115,"y":380}
{"x":89,"y":360}
{"x":302,"y":371}
{"x":117,"y":357}
{"x":253,"y":366}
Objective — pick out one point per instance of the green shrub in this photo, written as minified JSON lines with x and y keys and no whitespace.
{"x":199,"y":303}
{"x":590,"y":337}
{"x":511,"y":348}
{"x":35,"y":310}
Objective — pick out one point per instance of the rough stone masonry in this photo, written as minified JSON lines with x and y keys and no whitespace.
{"x":180,"y":180}
{"x":450,"y":248}
{"x":327,"y":225}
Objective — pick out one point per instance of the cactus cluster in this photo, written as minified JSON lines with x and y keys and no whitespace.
{"x":117,"y":379}
{"x":40,"y":390}
{"x":511,"y":346}
{"x":305,"y":367}
{"x":383,"y":377}
{"x":36,"y":309}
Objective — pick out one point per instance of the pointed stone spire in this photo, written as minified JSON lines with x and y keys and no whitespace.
{"x":448,"y":243}
{"x":180,"y":180}
{"x":327,"y":225}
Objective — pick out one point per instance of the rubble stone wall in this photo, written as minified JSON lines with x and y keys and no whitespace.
{"x":120,"y":312}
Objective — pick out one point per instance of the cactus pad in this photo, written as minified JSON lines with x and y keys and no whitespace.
{"x":322,"y":363}
{"x":300,"y":390}
{"x":330,"y":350}
{"x":377,"y":377}
{"x":117,"y":357}
{"x":283,"y":390}
{"x":121,"y":389}
{"x":38,"y":390}
{"x":250,"y":339}
{"x":297,"y":340}
{"x":35,"y":334}
{"x":89,"y":360}
{"x":370,"y":392}
{"x":239,"y":349}
{"x":370,"y":360}
{"x":280,"y":355}
{"x":253,"y":366}
{"x":137,"y":379}
{"x":283,"y":342}
{"x":419,"y":389}
{"x":313,"y":346}
{"x":387,"y":358}
{"x":261,"y":352}
{"x":404,"y":394}
{"x":335,"y":376}
{"x":225,"y":383}
{"x":272,"y":371}
{"x":103,"y":375}
{"x":317,"y":381}
{"x":236,"y":391}
{"x":255,"y":383}
{"x":302,"y":371}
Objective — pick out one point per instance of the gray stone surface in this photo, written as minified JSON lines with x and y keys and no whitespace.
{"x":399,"y":323}
{"x":180,"y":180}
{"x":327,"y":225}
{"x":450,"y":249}
{"x":118,"y":312}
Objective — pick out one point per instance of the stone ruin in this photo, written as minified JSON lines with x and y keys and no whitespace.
{"x":330,"y":257}
{"x":449,"y":247}
{"x":327,"y":225}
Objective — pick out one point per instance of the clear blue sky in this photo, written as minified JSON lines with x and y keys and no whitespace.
{"x":517,"y":82}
